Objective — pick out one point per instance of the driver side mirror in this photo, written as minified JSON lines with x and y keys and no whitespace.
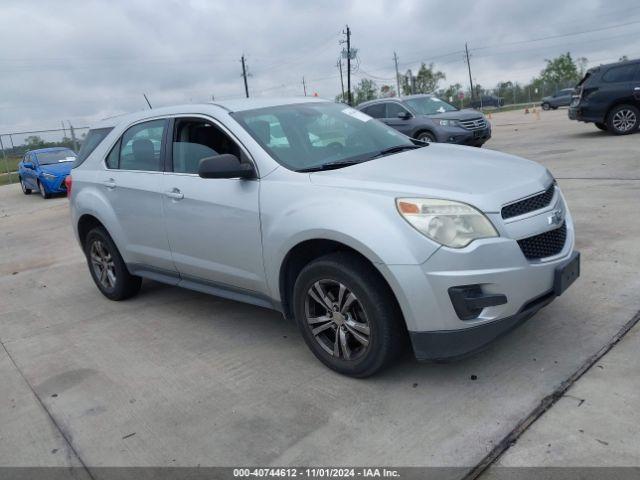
{"x":28,"y":165}
{"x":404,"y":115}
{"x":224,"y":166}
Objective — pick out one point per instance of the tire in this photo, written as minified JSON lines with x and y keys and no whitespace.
{"x":546,"y":106}
{"x":25,"y":190}
{"x":43,"y":191}
{"x":623,"y":119}
{"x":601,"y":126}
{"x":372,"y":309}
{"x":117,"y":283}
{"x":426,"y":137}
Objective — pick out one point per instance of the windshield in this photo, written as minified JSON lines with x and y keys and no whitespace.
{"x":308,"y":135}
{"x":429,"y":105}
{"x":57,"y":156}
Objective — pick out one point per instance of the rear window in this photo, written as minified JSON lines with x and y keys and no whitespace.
{"x":94,"y":137}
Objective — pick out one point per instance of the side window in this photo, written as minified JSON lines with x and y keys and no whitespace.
{"x":140,"y":147}
{"x":195,"y":139}
{"x":94,"y":137}
{"x":113,"y":157}
{"x":376,"y":111}
{"x":623,"y":73}
{"x":393,"y":109}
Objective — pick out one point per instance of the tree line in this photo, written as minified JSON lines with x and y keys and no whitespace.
{"x":560,"y":72}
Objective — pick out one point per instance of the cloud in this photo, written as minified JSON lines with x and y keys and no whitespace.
{"x":84,"y":60}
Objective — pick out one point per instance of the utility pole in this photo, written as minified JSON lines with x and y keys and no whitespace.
{"x":395,"y":60}
{"x":304,"y":86}
{"x":73,"y":136}
{"x":244,"y":75}
{"x":466,"y":49}
{"x":64,"y":130}
{"x":341,"y":80}
{"x":348,"y":34}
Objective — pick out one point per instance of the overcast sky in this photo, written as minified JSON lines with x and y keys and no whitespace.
{"x":84,"y":60}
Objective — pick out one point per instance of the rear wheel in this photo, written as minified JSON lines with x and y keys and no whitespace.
{"x":545,"y":106}
{"x":25,"y":190}
{"x":347,"y":315}
{"x":426,"y":137}
{"x":43,"y":191}
{"x":108,"y":270}
{"x":602,"y":126}
{"x":623,"y":119}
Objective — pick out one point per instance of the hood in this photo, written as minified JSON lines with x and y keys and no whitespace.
{"x":483,"y":178}
{"x":466,"y":114}
{"x":62,"y":168}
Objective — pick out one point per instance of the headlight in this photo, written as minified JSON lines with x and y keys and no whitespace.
{"x":447,"y":123}
{"x":449,"y":223}
{"x":49,"y":177}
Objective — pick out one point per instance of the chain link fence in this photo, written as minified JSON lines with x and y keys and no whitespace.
{"x":13,"y":146}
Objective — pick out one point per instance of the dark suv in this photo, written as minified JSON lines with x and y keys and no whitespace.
{"x":609,"y":96}
{"x":430,"y":119}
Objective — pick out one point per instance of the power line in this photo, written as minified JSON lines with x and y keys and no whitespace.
{"x":563,"y":35}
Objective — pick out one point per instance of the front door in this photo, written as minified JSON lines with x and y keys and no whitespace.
{"x":213,"y":225}
{"x":403,"y":125}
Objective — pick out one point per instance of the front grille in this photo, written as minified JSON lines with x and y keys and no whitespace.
{"x":474,"y":123}
{"x":544,"y":245}
{"x":529,"y":204}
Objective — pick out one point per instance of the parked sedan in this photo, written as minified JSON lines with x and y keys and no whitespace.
{"x":45,"y":170}
{"x":430,"y":119}
{"x":561,"y":98}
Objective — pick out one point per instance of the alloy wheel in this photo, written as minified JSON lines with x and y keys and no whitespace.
{"x":337,"y":320}
{"x":624,"y":120}
{"x":103,"y":264}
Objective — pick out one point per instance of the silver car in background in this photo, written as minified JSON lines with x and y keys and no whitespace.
{"x":363,"y":236}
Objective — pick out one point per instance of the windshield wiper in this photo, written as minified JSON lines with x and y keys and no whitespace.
{"x":330,"y":166}
{"x":396,"y":149}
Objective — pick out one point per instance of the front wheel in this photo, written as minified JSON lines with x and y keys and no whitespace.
{"x":43,"y":191}
{"x":25,"y":190}
{"x":347,"y":315}
{"x":601,"y":126}
{"x":108,"y":270}
{"x":623,"y":119}
{"x":426,"y":137}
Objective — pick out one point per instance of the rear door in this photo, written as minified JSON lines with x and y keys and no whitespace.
{"x":213,"y":224}
{"x":636,"y":83}
{"x":616,"y":85}
{"x":132,"y":183}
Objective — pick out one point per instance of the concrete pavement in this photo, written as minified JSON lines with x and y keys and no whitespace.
{"x":174,"y":377}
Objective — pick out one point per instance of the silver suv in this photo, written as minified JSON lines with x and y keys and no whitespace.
{"x":365,"y":237}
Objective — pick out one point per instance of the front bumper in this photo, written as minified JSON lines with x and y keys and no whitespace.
{"x":454,"y":344}
{"x":55,"y":185}
{"x":461,"y":136}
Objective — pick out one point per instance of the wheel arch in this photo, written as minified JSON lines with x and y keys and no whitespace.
{"x":424,"y":130}
{"x":86,"y":223}
{"x":305,"y":252}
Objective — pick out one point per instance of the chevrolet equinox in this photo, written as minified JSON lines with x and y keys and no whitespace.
{"x":367,"y":238}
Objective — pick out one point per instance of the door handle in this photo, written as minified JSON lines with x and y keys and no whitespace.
{"x":175,"y":194}
{"x":110,"y":184}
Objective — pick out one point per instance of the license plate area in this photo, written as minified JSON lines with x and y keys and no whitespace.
{"x":566,"y":274}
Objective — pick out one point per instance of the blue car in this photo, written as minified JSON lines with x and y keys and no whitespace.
{"x":45,"y":170}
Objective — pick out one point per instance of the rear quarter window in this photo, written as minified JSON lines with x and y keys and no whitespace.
{"x":623,"y":73}
{"x":94,"y":137}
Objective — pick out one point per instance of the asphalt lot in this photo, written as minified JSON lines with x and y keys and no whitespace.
{"x":174,"y":377}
